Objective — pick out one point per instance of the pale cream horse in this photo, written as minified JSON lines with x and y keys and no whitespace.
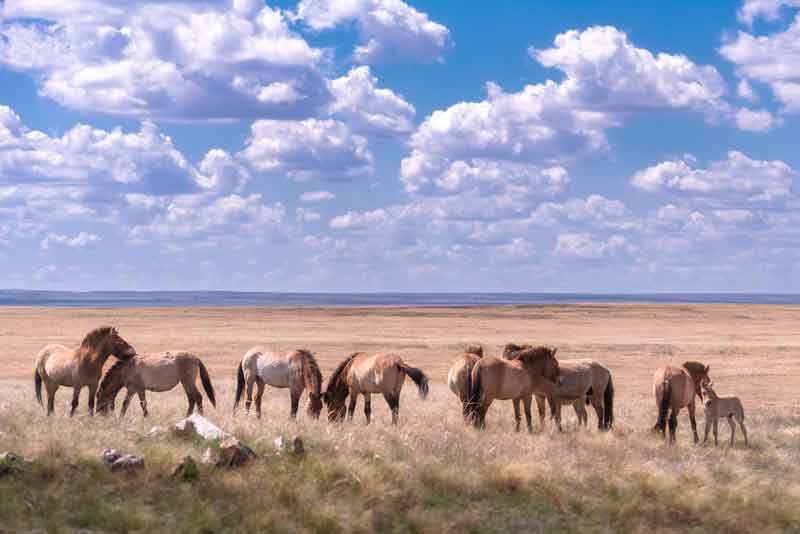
{"x":459,"y":378}
{"x":364,"y":374}
{"x":728,"y":407}
{"x":156,"y":373}
{"x":57,"y":365}
{"x":296,"y":370}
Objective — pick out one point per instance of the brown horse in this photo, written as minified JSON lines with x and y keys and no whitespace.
{"x":526,"y":372}
{"x":674,"y":388}
{"x":296,"y":370}
{"x":364,"y":374}
{"x":459,"y":379}
{"x":57,"y":365}
{"x":155,"y":373}
{"x":582,"y":381}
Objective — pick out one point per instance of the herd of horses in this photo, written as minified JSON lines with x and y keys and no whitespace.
{"x":519,"y":374}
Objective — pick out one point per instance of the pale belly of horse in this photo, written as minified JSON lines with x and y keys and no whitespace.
{"x":276,"y":374}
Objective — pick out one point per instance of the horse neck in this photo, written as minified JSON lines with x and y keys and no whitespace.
{"x":96,"y":356}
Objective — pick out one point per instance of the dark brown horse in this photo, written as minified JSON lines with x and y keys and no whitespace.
{"x":524,"y":373}
{"x":364,"y":374}
{"x":675,"y":388}
{"x":57,"y":365}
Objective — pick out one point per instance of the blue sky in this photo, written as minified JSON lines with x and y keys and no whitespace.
{"x":383,"y":145}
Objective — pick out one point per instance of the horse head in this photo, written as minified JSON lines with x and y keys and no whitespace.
{"x":699,"y":374}
{"x":109,"y":388}
{"x":335,"y":402}
{"x":540,"y":361}
{"x":315,"y":404}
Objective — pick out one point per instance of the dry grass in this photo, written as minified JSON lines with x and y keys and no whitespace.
{"x":431,"y":473}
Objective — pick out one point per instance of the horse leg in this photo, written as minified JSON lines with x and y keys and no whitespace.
{"x":394,"y":405}
{"x":249,"y":392}
{"x":673,"y":425}
{"x":51,"y":398}
{"x":580,"y":412}
{"x":259,"y":395}
{"x":128,"y":395}
{"x":555,"y":411}
{"x":76,"y":393}
{"x":526,"y":403}
{"x":540,"y":407}
{"x":190,"y":399}
{"x":733,"y":429}
{"x":143,"y":403}
{"x":716,"y":434}
{"x":692,"y":419}
{"x":744,"y":431}
{"x":707,"y":428}
{"x":517,"y":416}
{"x":367,"y":406}
{"x":92,"y":394}
{"x":351,"y":408}
{"x":295,"y":396}
{"x":597,"y":404}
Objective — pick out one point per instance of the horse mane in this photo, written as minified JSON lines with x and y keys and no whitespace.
{"x":96,"y":336}
{"x":511,"y":350}
{"x":111,"y":374}
{"x":475,"y":350}
{"x":336,"y":379}
{"x":694,"y":368}
{"x":311,"y":371}
{"x":529,"y":354}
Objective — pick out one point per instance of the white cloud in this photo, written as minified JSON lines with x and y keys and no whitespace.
{"x":79,"y":240}
{"x":607,"y":72}
{"x":754,"y":120}
{"x":368,"y":108}
{"x":306,"y":215}
{"x":737,"y":177}
{"x":308,"y":149}
{"x":772,"y":59}
{"x":221,"y":171}
{"x":388,"y":29}
{"x":316,"y":196}
{"x":768,"y":9}
{"x":595,"y":211}
{"x":587,"y":246}
{"x":164,"y":60}
{"x":745,"y":90}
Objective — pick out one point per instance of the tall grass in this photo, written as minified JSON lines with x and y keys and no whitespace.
{"x":429,"y":474}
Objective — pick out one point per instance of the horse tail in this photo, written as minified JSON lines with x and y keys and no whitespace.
{"x":239,"y":386}
{"x":37,"y":382}
{"x":207,"y":383}
{"x":666,"y":397}
{"x":608,"y":403}
{"x":417,"y":376}
{"x":475,"y":391}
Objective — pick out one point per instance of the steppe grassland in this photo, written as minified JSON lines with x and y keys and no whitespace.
{"x":431,"y":473}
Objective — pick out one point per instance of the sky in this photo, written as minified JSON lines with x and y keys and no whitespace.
{"x":384,"y":145}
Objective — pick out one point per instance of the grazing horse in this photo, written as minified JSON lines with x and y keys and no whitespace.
{"x":717,"y":407}
{"x":459,"y":379}
{"x":674,"y":388}
{"x":296,"y":370}
{"x":365,"y":374}
{"x":527,"y":372}
{"x":582,"y":381}
{"x":155,"y":373}
{"x":57,"y":365}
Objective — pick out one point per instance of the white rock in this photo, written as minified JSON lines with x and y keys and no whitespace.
{"x":200,"y":426}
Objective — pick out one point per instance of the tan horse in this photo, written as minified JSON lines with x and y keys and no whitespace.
{"x":459,"y":379}
{"x":527,"y":372}
{"x":57,"y":365}
{"x":157,"y":373}
{"x":364,"y":374}
{"x":717,"y":407}
{"x":296,"y":370}
{"x":675,"y":388}
{"x":582,"y":381}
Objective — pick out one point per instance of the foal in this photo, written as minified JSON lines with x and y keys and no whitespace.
{"x":728,"y":407}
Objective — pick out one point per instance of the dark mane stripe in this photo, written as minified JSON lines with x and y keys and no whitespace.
{"x":337,"y":377}
{"x":111,"y":375}
{"x":94,"y":337}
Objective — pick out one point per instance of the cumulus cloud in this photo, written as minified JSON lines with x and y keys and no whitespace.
{"x":388,"y":29}
{"x":165,"y":60}
{"x":316,"y":196}
{"x":754,"y":120}
{"x":308,"y":149}
{"x":768,"y":9}
{"x":736,"y":177}
{"x":773,"y":59}
{"x":80,"y":240}
{"x":369,"y":108}
{"x":587,"y":246}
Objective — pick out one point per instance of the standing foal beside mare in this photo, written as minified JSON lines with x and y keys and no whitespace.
{"x":364,"y":374}
{"x":675,"y":388}
{"x":57,"y":365}
{"x":728,"y":407}
{"x":155,"y":373}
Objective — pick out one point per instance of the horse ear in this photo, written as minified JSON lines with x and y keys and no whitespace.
{"x":554,"y":350}
{"x":707,"y":368}
{"x":114,"y":331}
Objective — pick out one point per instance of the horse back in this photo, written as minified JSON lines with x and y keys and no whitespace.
{"x":502,"y":379}
{"x":376,"y":373}
{"x":680,"y":383}
{"x":276,"y":369}
{"x":58,"y":363}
